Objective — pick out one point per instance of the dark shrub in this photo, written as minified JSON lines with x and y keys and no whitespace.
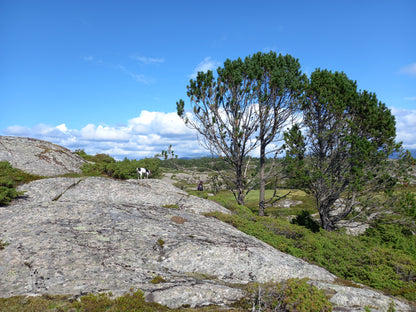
{"x":305,"y":219}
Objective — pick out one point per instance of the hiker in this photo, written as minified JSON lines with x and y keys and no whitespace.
{"x":200,"y":186}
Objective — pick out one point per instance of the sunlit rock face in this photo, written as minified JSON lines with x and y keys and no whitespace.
{"x":39,"y":157}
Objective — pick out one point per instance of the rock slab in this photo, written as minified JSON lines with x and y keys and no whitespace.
{"x":39,"y":157}
{"x":82,"y":235}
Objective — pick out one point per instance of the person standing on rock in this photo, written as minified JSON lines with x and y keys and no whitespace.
{"x":200,"y":186}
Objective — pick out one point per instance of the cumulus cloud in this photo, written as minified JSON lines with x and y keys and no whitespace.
{"x":409,"y":69}
{"x":104,"y":133}
{"x":166,"y":124}
{"x":406,"y":126}
{"x":142,"y":136}
{"x":151,"y":132}
{"x":204,"y":66}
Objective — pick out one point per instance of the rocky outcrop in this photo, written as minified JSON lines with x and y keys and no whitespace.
{"x":39,"y":157}
{"x":81,"y":235}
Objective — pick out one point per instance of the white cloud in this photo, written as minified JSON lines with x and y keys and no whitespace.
{"x":409,"y":69}
{"x":405,"y":126}
{"x":166,"y":124}
{"x":142,"y":136}
{"x":151,"y":132}
{"x":204,"y":66}
{"x":62,"y":128}
{"x":104,"y":133}
{"x":411,"y":98}
{"x":148,"y":60}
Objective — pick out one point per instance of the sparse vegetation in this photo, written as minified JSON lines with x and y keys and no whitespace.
{"x":291,"y":295}
{"x":105,"y":165}
{"x":171,"y":206}
{"x":160,"y":242}
{"x":384,"y":257}
{"x":3,"y":244}
{"x":10,"y":178}
{"x":158,"y":279}
{"x":132,"y":301}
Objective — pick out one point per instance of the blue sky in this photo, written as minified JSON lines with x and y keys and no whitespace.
{"x":104,"y":76}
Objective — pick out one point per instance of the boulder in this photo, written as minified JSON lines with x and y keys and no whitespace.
{"x":39,"y":157}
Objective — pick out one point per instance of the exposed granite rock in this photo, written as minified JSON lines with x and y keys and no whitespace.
{"x":355,"y":299}
{"x":39,"y":157}
{"x":287,"y":203}
{"x":81,"y":235}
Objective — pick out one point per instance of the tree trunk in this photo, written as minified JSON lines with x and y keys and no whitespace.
{"x":326,"y":222}
{"x":262,"y":194}
{"x":240,"y":185}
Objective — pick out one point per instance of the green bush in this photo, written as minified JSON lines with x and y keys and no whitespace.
{"x":305,"y":219}
{"x":7,"y":194}
{"x":291,"y":295}
{"x":98,"y":158}
{"x":105,"y":165}
{"x":407,"y":204}
{"x":10,"y":178}
{"x":158,"y":279}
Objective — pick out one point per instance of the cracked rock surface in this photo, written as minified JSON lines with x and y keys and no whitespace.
{"x":80,"y":235}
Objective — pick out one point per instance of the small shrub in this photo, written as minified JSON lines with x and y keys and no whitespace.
{"x":291,"y":295}
{"x":10,"y":178}
{"x":7,"y":194}
{"x":3,"y":244}
{"x":300,"y":296}
{"x":216,"y":183}
{"x":105,"y":165}
{"x":171,"y":206}
{"x":407,"y":204}
{"x":160,"y":242}
{"x":158,"y":279}
{"x":130,"y":302}
{"x":305,"y":219}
